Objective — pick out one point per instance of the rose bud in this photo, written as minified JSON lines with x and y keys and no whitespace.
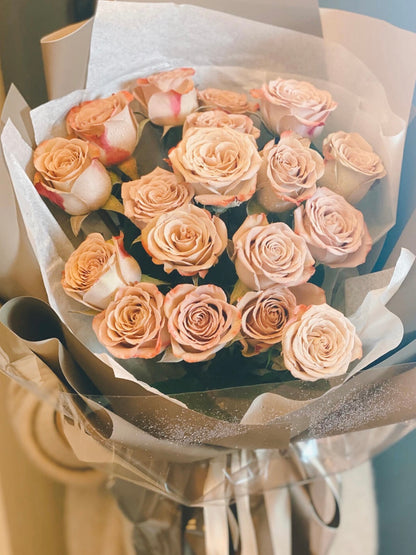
{"x":334,"y":230}
{"x":97,"y":268}
{"x":107,"y":122}
{"x":220,"y":163}
{"x":70,"y":175}
{"x":219,"y":118}
{"x":320,"y":342}
{"x":287,"y":104}
{"x":167,"y":97}
{"x":288,"y":173}
{"x":351,"y":165}
{"x":269,"y":254}
{"x":200,"y":321}
{"x":154,"y":194}
{"x":187,"y":239}
{"x":265,"y":314}
{"x":229,"y":101}
{"x":133,"y":325}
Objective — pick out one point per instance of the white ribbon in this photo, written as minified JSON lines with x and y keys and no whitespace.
{"x":216,"y":512}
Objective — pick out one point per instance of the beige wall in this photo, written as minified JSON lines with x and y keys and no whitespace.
{"x":22,"y":24}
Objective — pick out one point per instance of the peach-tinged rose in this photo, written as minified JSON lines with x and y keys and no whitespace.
{"x":187,"y":239}
{"x":351,"y":165}
{"x":270,"y":254}
{"x":200,"y":321}
{"x":229,"y":101}
{"x":288,"y":173}
{"x":155,"y":193}
{"x":264,"y":317}
{"x":334,"y":230}
{"x":70,"y":175}
{"x":167,"y":97}
{"x":107,"y":122}
{"x":220,"y":163}
{"x":320,"y":342}
{"x":220,"y":118}
{"x":134,"y":324}
{"x":288,"y":104}
{"x":97,"y":268}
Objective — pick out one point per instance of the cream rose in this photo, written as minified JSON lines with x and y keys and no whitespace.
{"x":97,"y":268}
{"x":134,"y":324}
{"x":187,"y":239}
{"x":351,"y":165}
{"x":219,"y":118}
{"x":70,"y":175}
{"x":220,"y":163}
{"x":334,"y":230}
{"x":265,"y":314}
{"x":154,"y":194}
{"x":320,"y":342}
{"x":107,"y":122}
{"x":287,"y":104}
{"x":270,"y":254}
{"x":229,"y":101}
{"x":200,"y":321}
{"x":288,"y":173}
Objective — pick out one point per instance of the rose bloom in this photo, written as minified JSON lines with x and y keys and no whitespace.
{"x":219,"y":118}
{"x":269,"y":254}
{"x":229,"y":101}
{"x":187,"y":239}
{"x":107,"y":122}
{"x":200,"y":321}
{"x":134,"y":324}
{"x":265,"y":314}
{"x":70,"y":175}
{"x":97,"y":268}
{"x":288,"y":173}
{"x":351,"y":165}
{"x":167,"y":97}
{"x":287,"y":104}
{"x":334,"y":230}
{"x":220,"y":163}
{"x":154,"y":194}
{"x":320,"y":342}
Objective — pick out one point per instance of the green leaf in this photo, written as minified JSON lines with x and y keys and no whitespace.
{"x":113,"y":205}
{"x":137,"y":240}
{"x":76,"y":223}
{"x":239,"y":291}
{"x":254,"y":207}
{"x":150,"y":279}
{"x":115,"y":179}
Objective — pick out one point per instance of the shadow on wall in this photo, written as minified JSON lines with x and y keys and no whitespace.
{"x":22,"y":25}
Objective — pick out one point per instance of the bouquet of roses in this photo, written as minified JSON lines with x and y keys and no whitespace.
{"x":236,"y":275}
{"x":218,"y":219}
